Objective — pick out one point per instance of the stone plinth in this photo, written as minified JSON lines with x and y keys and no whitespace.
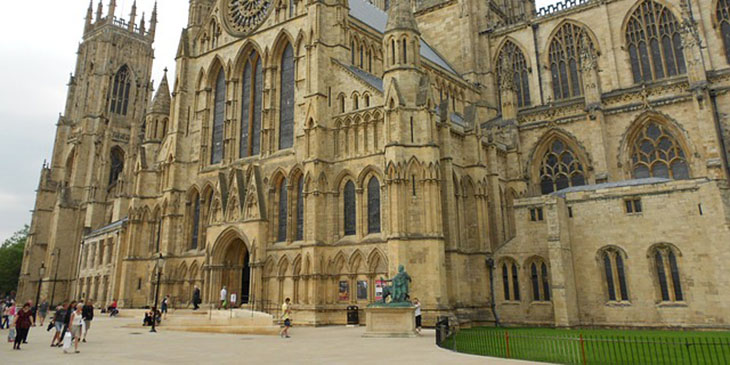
{"x":390,"y":322}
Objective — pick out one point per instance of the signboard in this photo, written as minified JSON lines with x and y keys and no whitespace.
{"x":233,"y":298}
{"x":379,"y":284}
{"x":344,"y":291}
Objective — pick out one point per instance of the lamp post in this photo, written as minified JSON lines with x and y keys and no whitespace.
{"x":57,"y":255}
{"x":158,"y":266}
{"x":41,"y":272}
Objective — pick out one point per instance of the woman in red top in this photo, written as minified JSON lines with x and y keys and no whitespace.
{"x":23,"y":322}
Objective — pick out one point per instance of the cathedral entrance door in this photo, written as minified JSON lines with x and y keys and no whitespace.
{"x":236,"y":275}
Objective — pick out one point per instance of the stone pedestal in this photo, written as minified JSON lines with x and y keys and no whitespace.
{"x":390,"y":322}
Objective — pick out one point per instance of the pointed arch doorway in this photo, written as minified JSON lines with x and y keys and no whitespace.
{"x":232,"y":259}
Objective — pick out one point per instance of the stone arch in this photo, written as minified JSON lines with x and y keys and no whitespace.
{"x":542,"y":145}
{"x":231,"y":255}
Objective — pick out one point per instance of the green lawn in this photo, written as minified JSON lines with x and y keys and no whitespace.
{"x":598,"y":346}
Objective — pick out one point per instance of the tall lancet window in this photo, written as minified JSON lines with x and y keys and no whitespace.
{"x":723,"y":19}
{"x":219,"y":108}
{"x":253,"y":80}
{"x":564,"y":54}
{"x":119,"y":98}
{"x":286,"y":116}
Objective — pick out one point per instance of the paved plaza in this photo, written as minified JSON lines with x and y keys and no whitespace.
{"x":119,"y":341}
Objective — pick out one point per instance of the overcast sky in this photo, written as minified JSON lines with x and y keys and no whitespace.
{"x":38,"y":52}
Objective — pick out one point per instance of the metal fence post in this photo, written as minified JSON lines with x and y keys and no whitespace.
{"x":506,"y":337}
{"x":583,"y":349}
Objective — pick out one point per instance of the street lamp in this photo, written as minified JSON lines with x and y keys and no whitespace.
{"x":41,"y":272}
{"x":57,"y":256}
{"x":158,"y":265}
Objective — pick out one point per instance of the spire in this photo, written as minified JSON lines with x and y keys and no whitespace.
{"x":89,"y":15}
{"x":142,"y":26}
{"x":153,"y":21}
{"x":400,"y":17}
{"x":99,"y":11}
{"x":112,"y":9}
{"x":133,"y":16}
{"x":162,"y":101}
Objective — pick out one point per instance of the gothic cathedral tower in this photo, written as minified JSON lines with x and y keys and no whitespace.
{"x":87,"y":184}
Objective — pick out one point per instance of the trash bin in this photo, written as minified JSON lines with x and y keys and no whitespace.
{"x":353,"y":316}
{"x":442,"y":329}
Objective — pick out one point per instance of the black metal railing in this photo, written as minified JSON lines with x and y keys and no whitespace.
{"x":580,"y":348}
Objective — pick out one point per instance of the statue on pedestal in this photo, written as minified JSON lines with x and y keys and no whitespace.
{"x":399,"y":291}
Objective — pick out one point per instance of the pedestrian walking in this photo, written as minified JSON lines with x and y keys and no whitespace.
{"x":10,"y":313}
{"x":22,"y":323}
{"x":286,"y":316}
{"x":67,"y":319}
{"x":77,"y":323}
{"x":165,"y":302}
{"x":58,"y":322}
{"x":88,"y":313}
{"x":224,"y":295}
{"x":196,"y":298}
{"x":43,"y":311}
{"x":417,"y":304}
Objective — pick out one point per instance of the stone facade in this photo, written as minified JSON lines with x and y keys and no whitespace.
{"x":530,"y":166}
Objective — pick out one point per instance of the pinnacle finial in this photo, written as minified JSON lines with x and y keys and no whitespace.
{"x":400,"y":16}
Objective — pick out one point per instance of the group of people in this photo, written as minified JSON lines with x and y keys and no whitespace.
{"x":74,"y":319}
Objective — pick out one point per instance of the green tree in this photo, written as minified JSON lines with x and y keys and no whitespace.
{"x":11,"y":257}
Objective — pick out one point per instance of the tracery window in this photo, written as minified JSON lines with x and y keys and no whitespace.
{"x":519,"y":67}
{"x":654,"y":43}
{"x":615,"y":275}
{"x":119,"y":100}
{"x":117,"y":164}
{"x":282,"y":219}
{"x":286,"y":116}
{"x":253,"y":84}
{"x":667,"y":271}
{"x":300,"y":209}
{"x":196,"y":223}
{"x":560,"y":168}
{"x":219,"y":107}
{"x":723,"y":19}
{"x":564,"y":57}
{"x":656,"y":153}
{"x":350,"y":214}
{"x":373,"y":205}
{"x":510,"y":281}
{"x":540,"y":282}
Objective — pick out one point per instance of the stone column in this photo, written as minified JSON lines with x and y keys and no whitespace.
{"x":562,"y":276}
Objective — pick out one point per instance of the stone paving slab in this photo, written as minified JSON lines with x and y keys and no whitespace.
{"x":111,"y":341}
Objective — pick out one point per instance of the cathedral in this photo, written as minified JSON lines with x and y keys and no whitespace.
{"x":564,"y":166}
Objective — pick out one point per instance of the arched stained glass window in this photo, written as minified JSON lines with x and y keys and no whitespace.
{"x":282,"y":219}
{"x":520,"y":71}
{"x":219,"y":109}
{"x":119,"y":98}
{"x":286,"y":116}
{"x":300,"y":209}
{"x":613,"y":266}
{"x":350,"y":214}
{"x":564,"y":54}
{"x":535,"y":282}
{"x":667,"y":271}
{"x":539,"y":280}
{"x":373,"y":205}
{"x":251,"y":99}
{"x":117,"y":164}
{"x":723,"y":19}
{"x":196,"y":223}
{"x":656,"y":153}
{"x":654,"y":42}
{"x":560,"y":168}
